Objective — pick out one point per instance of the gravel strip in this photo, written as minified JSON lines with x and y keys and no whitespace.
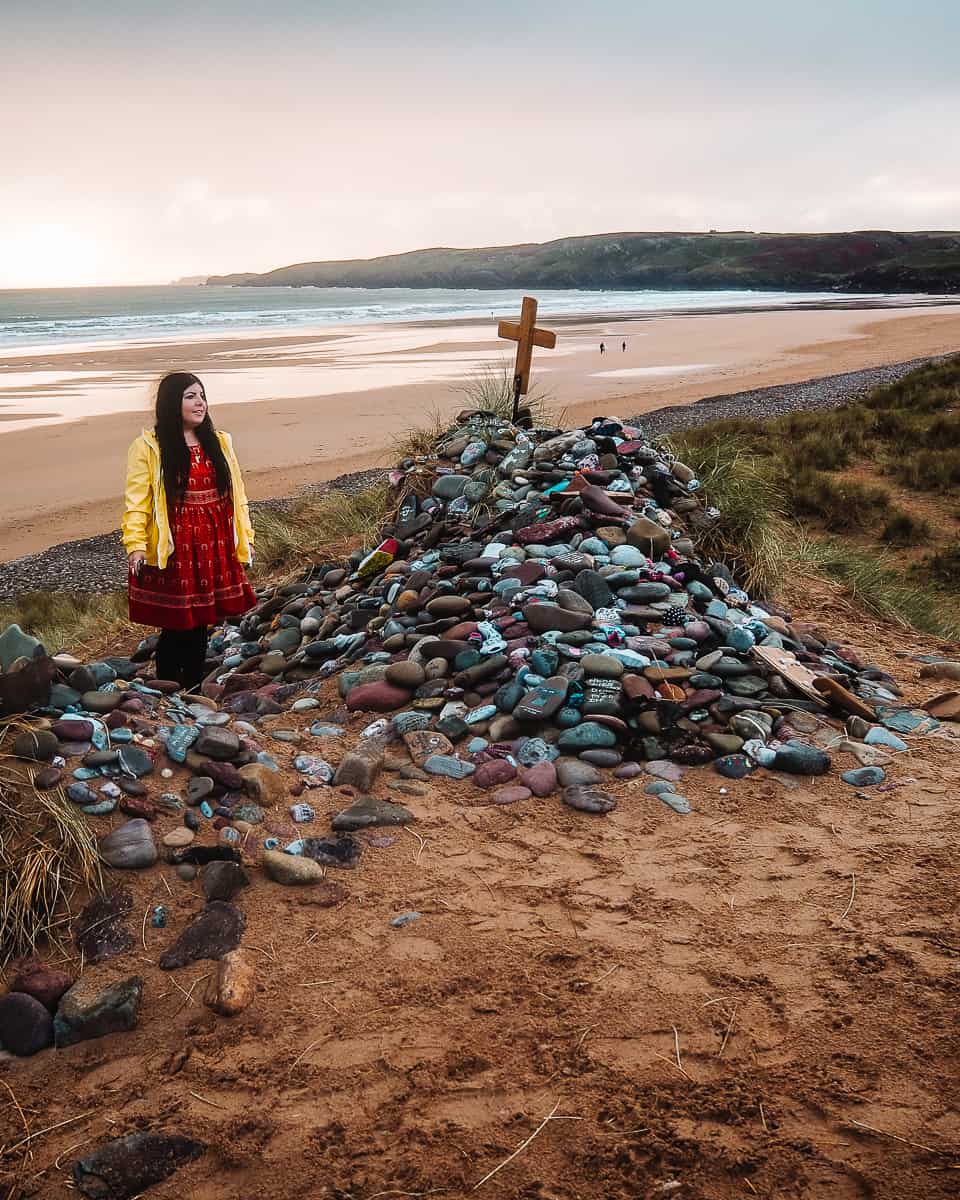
{"x":98,"y":564}
{"x":828,"y":391}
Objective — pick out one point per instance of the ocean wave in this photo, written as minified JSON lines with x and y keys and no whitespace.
{"x":103,"y":314}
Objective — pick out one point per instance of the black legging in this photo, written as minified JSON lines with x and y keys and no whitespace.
{"x":181,"y":656}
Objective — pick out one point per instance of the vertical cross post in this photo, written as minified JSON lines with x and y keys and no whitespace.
{"x":526,"y":334}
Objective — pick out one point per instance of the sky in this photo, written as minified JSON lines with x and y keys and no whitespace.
{"x":147,"y":140}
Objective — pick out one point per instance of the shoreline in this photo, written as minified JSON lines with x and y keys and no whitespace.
{"x":870,"y":302}
{"x":99,"y":563}
{"x":305,"y":410}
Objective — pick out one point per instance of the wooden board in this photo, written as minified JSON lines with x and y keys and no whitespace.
{"x":785,"y":663}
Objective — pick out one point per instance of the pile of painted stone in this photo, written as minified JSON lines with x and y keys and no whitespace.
{"x":540,"y":602}
{"x":536,"y":615}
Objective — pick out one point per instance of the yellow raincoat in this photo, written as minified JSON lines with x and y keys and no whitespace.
{"x":146,"y":527}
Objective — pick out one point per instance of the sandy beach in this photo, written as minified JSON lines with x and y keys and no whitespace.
{"x":312,"y":405}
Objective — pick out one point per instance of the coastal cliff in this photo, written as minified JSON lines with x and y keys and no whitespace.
{"x":868,"y":261}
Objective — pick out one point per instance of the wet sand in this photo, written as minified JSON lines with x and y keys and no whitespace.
{"x":315,"y":404}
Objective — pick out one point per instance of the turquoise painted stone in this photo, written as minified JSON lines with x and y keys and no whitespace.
{"x":908,"y":722}
{"x":79,"y":793}
{"x":323,"y":729}
{"x":407,"y":722}
{"x":535,"y":750}
{"x":448,"y":766}
{"x":104,"y":805}
{"x":85,"y":773}
{"x":878,"y":736}
{"x":180,"y":740}
{"x":679,"y":804}
{"x":864,"y":776}
{"x":627,"y":556}
{"x":14,"y":644}
{"x":544,"y":662}
{"x":658,"y":787}
{"x":587,"y":736}
{"x":567,"y":717}
{"x":476,"y":744}
{"x":483,"y":712}
{"x":121,"y":736}
{"x":741,"y":639}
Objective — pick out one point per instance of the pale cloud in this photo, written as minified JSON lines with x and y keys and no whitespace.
{"x":198,"y":201}
{"x":234,"y":136}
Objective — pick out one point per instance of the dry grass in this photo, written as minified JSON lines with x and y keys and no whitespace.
{"x":47,"y":851}
{"x":85,"y":624}
{"x":422,"y":440}
{"x":491,"y":389}
{"x":752,"y":531}
{"x":320,"y":530}
{"x":878,"y":583}
{"x":757,"y":471}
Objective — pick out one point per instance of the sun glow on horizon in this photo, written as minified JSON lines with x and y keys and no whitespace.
{"x":50,"y":255}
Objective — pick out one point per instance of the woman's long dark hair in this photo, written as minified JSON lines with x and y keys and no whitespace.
{"x":174,"y":453}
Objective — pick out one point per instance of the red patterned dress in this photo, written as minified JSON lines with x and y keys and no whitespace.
{"x":202,"y":583}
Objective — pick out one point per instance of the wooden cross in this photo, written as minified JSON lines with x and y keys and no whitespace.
{"x":526,"y":335}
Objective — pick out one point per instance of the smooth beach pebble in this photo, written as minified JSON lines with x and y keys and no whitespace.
{"x":178,"y":837}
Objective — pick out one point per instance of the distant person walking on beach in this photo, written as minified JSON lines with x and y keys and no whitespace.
{"x":602,"y":347}
{"x":623,"y":347}
{"x":186,"y":529}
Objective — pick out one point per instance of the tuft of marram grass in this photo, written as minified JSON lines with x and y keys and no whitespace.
{"x":48,"y":850}
{"x":421,"y":440}
{"x":751,"y":533}
{"x":316,"y":530}
{"x":491,"y":389}
{"x":876,"y":581}
{"x":72,"y":621}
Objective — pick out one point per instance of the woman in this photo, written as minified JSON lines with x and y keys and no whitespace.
{"x":186,"y":529}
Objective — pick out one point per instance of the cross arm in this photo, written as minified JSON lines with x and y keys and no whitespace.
{"x":538,"y":337}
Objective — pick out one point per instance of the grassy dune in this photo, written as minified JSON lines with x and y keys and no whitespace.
{"x":867,"y":494}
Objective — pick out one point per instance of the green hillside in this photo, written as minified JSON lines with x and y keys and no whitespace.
{"x":868,"y":261}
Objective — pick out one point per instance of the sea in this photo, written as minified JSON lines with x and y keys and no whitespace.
{"x":41,"y":317}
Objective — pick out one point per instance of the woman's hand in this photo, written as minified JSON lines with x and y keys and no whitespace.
{"x":135,"y":561}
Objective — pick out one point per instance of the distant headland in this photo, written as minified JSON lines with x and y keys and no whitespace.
{"x":864,"y":261}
